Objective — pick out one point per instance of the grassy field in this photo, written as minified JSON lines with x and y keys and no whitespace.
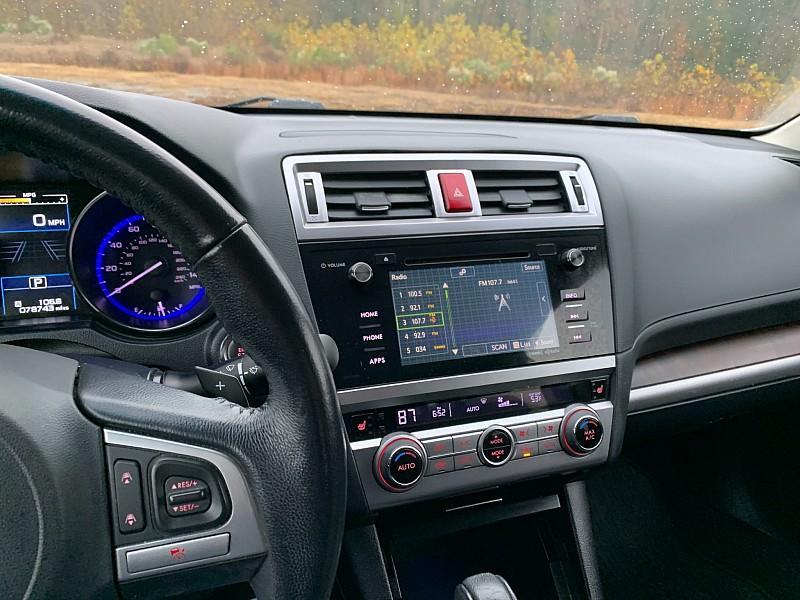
{"x":217,"y":90}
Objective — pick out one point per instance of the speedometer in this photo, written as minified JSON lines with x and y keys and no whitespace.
{"x":141,"y":273}
{"x":130,"y":272}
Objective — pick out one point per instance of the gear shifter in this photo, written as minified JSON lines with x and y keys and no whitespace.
{"x":485,"y":586}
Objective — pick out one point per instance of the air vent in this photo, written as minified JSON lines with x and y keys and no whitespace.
{"x":791,"y":161}
{"x":372,"y":196}
{"x":520,"y":192}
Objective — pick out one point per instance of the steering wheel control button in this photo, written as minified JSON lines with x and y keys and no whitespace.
{"x":581,"y":430}
{"x":467,"y":460}
{"x":526,"y":450}
{"x":178,"y":553}
{"x":186,"y":496}
{"x":439,"y":447}
{"x":496,"y":446}
{"x":400,"y":462}
{"x":128,"y":490}
{"x":466,"y":443}
{"x":443,"y":464}
{"x":455,"y":192}
{"x":570,"y":295}
{"x":360,"y":272}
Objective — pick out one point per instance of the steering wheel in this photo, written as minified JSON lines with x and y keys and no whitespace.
{"x":56,"y":532}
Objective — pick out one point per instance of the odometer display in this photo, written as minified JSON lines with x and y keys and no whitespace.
{"x":141,"y":273}
{"x":130,"y":272}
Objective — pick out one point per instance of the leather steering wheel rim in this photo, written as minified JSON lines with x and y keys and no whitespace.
{"x":292,"y":449}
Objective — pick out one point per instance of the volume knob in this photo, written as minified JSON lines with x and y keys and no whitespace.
{"x":360,"y":272}
{"x":400,"y":462}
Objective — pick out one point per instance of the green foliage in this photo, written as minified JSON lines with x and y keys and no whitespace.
{"x":36,"y":26}
{"x":197,"y":47}
{"x":163,"y":45}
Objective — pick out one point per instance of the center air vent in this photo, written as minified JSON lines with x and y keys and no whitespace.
{"x":371,"y":196}
{"x":520,"y":192}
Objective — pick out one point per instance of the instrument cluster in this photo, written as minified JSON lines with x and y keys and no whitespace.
{"x":69,"y":255}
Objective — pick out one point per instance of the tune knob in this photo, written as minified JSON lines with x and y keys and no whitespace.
{"x":581,"y":430}
{"x":573,"y":258}
{"x":400,"y":462}
{"x":360,"y":272}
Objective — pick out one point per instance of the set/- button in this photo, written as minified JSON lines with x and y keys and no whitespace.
{"x":186,"y":496}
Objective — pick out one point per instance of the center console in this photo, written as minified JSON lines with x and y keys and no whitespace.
{"x":469,"y":299}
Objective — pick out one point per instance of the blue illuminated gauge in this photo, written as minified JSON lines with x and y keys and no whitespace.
{"x":132,"y":273}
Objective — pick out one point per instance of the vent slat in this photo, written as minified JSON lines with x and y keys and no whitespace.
{"x":509,"y":182}
{"x":520,"y":192}
{"x":377,"y":196}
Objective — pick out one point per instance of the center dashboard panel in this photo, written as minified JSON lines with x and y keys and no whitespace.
{"x":469,"y":298}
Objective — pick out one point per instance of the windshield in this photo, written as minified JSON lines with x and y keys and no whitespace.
{"x":728,"y":64}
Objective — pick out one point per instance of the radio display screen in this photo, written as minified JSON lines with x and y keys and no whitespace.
{"x":480,"y":309}
{"x":34,"y":277}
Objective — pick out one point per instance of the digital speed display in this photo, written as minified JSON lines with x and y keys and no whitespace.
{"x":34,"y":276}
{"x":464,"y":311}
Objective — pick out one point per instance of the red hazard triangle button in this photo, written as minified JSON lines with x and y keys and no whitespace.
{"x":455,"y":192}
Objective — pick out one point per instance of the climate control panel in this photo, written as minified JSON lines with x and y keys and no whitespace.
{"x":433,"y":462}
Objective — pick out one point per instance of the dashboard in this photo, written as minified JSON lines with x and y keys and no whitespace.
{"x":494,"y":290}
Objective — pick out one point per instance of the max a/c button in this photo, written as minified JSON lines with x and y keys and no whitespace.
{"x":179,"y":553}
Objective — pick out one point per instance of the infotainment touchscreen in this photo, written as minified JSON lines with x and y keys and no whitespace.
{"x":461,"y":311}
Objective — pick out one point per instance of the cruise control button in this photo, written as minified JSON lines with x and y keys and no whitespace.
{"x":443,"y":464}
{"x":186,"y":496}
{"x":439,"y":447}
{"x":466,"y":461}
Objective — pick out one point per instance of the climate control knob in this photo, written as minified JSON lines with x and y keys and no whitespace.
{"x":400,"y":462}
{"x":581,"y":430}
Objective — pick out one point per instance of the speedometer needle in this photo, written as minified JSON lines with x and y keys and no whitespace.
{"x":133,"y":280}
